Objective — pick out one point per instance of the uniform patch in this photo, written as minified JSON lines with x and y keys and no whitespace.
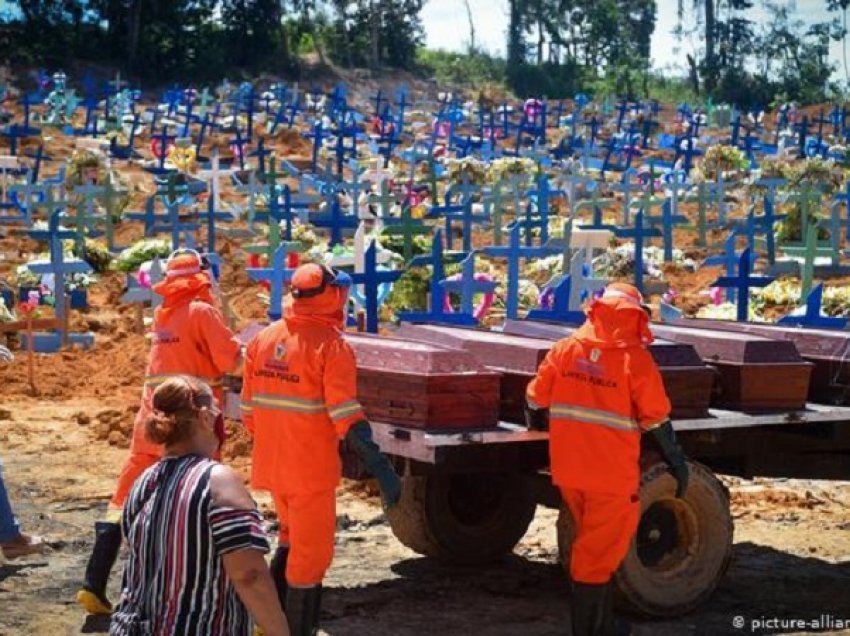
{"x":280,"y":351}
{"x":595,"y":355}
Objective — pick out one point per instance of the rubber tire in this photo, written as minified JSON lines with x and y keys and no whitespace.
{"x":653,"y":592}
{"x":425,"y":522}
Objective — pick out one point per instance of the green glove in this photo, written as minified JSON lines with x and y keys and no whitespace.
{"x":666,"y":438}
{"x":360,"y":438}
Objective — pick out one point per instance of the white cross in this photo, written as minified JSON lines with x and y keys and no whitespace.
{"x":213,"y":177}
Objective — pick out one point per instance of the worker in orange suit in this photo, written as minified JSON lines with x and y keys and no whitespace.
{"x":602,"y":389}
{"x":189,"y":337}
{"x":299,"y":399}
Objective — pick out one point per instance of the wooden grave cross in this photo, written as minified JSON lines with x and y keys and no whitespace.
{"x":742,"y":283}
{"x":596,"y":205}
{"x":813,"y":315}
{"x":436,"y":313}
{"x":213,"y":176}
{"x":139,"y":296}
{"x":407,"y":227}
{"x":639,"y":233}
{"x":468,"y":286}
{"x":371,"y":278}
{"x":335,"y":220}
{"x":513,"y":253}
{"x":55,"y":236}
{"x":277,"y":275}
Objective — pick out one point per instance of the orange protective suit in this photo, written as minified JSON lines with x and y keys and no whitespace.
{"x":189,"y":337}
{"x":602,"y":389}
{"x":299,"y":398}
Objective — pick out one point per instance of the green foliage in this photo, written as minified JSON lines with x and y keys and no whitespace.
{"x":203,"y":40}
{"x":145,"y":250}
{"x":469,"y":69}
{"x":97,"y":255}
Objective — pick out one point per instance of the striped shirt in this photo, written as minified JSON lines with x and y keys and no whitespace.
{"x":174,"y":580}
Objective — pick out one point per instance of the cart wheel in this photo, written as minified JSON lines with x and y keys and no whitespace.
{"x":682,"y":548}
{"x":467,"y":519}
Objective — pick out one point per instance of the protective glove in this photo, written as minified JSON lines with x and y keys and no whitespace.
{"x":360,"y":438}
{"x":666,"y":438}
{"x":536,"y":419}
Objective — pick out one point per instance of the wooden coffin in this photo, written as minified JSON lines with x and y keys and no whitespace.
{"x":756,"y":374}
{"x":687,"y":380}
{"x":422,"y":385}
{"x":515,"y":358}
{"x":828,"y":350}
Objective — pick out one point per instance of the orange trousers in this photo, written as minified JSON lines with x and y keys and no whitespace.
{"x":605,"y":524}
{"x":307,"y":526}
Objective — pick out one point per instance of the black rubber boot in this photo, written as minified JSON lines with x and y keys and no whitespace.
{"x":278,"y":571}
{"x":107,"y":543}
{"x":302,"y":610}
{"x":591,"y":610}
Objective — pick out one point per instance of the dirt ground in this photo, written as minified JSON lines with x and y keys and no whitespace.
{"x":62,"y":451}
{"x":791,"y":557}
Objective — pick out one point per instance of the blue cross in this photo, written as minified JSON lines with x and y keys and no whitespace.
{"x":540,"y":198}
{"x":513,"y":253}
{"x":211,"y":216}
{"x":371,"y":278}
{"x":55,"y":236}
{"x":25,"y":197}
{"x":164,"y":139}
{"x":743,"y":282}
{"x":638,"y":234}
{"x":436,"y":313}
{"x":729,"y":259}
{"x":687,"y":153}
{"x":844,"y":198}
{"x":627,"y":186}
{"x":178,"y":229}
{"x":813,"y":316}
{"x":125,"y":152}
{"x":468,"y":286}
{"x":667,"y":220}
{"x":335,"y":220}
{"x":277,"y":275}
{"x":260,"y":153}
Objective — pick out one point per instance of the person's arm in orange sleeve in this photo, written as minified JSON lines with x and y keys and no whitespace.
{"x":652,"y":410}
{"x":339,"y":381}
{"x":649,"y":397}
{"x":538,"y":395}
{"x":340,"y":384}
{"x":247,"y":405}
{"x":224,"y":348}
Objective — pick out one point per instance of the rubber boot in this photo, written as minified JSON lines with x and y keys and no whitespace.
{"x":591,"y":610}
{"x":278,"y":571}
{"x":302,"y":610}
{"x":107,"y":543}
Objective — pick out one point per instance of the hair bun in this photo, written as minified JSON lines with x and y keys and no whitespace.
{"x":160,"y":426}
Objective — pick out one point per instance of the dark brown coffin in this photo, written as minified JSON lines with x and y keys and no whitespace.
{"x":756,"y":374}
{"x":422,"y":385}
{"x":687,"y":380}
{"x":515,"y":358}
{"x":828,"y":350}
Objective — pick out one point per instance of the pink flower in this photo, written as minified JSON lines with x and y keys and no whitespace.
{"x":715,"y":294}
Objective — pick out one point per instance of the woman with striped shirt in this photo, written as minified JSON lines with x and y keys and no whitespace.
{"x":196,"y":565}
